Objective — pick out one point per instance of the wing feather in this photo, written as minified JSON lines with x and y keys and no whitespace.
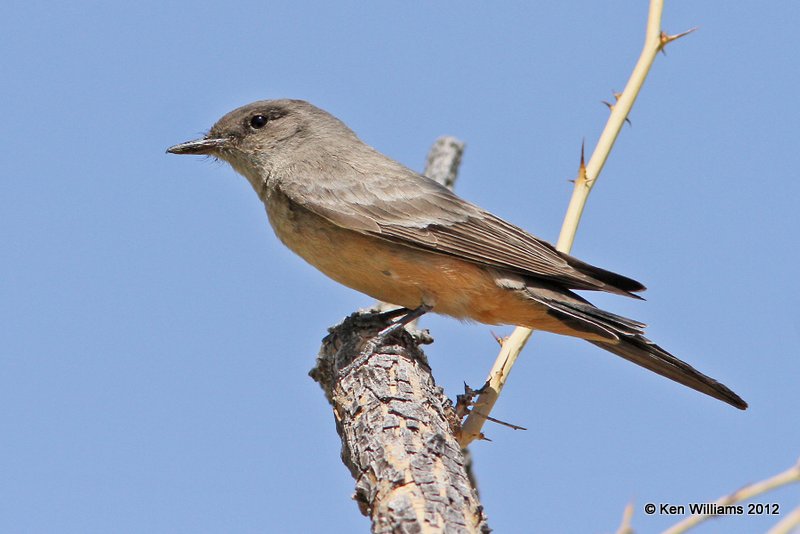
{"x":412,"y":210}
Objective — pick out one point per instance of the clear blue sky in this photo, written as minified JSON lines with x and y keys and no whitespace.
{"x":156,"y":336}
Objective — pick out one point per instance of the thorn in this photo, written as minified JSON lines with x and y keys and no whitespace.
{"x":616,"y":96}
{"x":468,"y":391}
{"x":582,"y":168}
{"x":583,"y":154}
{"x":465,"y":400}
{"x":500,"y":340}
{"x":509,"y":425}
{"x":462,"y":406}
{"x":499,"y":422}
{"x":666,"y":39}
{"x":616,"y":99}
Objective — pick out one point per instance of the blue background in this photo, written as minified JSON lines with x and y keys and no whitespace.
{"x":155,"y":336}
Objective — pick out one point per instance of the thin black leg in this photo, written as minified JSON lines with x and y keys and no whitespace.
{"x":411,"y":315}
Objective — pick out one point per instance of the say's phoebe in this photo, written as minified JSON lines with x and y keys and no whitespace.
{"x":380,"y":228}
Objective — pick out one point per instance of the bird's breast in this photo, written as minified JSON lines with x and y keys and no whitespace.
{"x":399,"y":274}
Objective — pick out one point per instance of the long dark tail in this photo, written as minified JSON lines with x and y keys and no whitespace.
{"x":624,"y":337}
{"x":641,"y":351}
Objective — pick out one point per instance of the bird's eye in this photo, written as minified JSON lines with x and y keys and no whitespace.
{"x":258,"y":121}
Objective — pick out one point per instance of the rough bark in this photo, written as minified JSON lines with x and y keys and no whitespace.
{"x":397,"y":430}
{"x":397,"y":427}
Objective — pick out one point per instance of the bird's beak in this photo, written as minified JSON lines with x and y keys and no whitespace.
{"x":206,"y":145}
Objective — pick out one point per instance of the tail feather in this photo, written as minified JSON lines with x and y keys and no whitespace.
{"x":581,"y":315}
{"x":612,"y":282}
{"x":623,"y":337}
{"x":647,"y":354}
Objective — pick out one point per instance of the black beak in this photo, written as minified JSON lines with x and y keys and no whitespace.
{"x":199,"y":146}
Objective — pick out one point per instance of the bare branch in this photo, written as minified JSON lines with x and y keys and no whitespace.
{"x":627,"y":516}
{"x":788,"y":524}
{"x":397,"y":428}
{"x":586,"y":179}
{"x":443,"y":161}
{"x":789,"y":476}
{"x":397,"y":431}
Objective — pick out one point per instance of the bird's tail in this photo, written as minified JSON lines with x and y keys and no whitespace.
{"x":641,"y":351}
{"x":622,"y":336}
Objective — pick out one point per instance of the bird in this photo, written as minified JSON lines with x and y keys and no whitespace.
{"x":376,"y":226}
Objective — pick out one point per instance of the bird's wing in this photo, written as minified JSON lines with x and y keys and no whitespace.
{"x":414,"y":211}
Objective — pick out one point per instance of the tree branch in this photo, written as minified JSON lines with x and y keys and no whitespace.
{"x":655,"y":40}
{"x":397,"y":427}
{"x":790,"y":476}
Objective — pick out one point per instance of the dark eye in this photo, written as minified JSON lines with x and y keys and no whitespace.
{"x":258,"y":121}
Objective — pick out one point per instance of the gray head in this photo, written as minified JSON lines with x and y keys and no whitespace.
{"x":270,"y":134}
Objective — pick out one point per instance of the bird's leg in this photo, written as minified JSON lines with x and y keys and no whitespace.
{"x":412,"y":315}
{"x":407,"y":316}
{"x":388,"y":315}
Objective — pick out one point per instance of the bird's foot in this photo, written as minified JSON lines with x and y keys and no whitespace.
{"x":406,"y":316}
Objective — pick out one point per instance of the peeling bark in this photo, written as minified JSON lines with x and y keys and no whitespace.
{"x":397,"y":429}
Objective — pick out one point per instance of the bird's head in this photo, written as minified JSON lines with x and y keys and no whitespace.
{"x":270,"y":134}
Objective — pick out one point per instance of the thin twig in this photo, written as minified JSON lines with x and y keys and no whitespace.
{"x":788,"y":524}
{"x":627,"y":516}
{"x":789,"y":476}
{"x":587,"y":176}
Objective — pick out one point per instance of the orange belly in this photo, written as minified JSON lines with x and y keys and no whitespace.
{"x":406,"y":276}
